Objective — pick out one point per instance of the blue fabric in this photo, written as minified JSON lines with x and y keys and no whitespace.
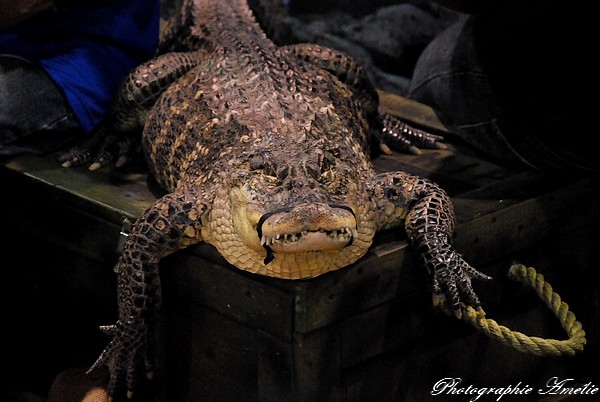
{"x":88,"y":49}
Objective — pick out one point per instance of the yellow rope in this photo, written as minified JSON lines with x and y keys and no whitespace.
{"x":532,"y":344}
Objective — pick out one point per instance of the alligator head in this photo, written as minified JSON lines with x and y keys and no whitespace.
{"x":294,"y":212}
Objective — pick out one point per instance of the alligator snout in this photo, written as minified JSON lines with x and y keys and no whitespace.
{"x":307,"y":227}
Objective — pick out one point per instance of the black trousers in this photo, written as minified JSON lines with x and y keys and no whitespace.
{"x":34,"y":114}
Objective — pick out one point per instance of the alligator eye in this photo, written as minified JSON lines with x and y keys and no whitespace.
{"x":257,"y":162}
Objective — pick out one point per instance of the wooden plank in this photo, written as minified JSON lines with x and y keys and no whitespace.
{"x":518,"y":226}
{"x":208,"y":357}
{"x":386,"y":327}
{"x":317,"y":366}
{"x":235,"y":294}
{"x":452,"y":170}
{"x":275,"y":369}
{"x":52,"y":216}
{"x":338,"y":295}
{"x":110,"y":193}
{"x":385,"y":378}
{"x":501,"y":194}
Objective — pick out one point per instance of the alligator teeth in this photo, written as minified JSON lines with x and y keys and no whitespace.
{"x":339,"y":234}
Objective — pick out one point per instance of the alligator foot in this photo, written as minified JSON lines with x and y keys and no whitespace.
{"x":125,"y":356}
{"x":100,"y":149}
{"x":451,"y":279}
{"x":403,"y":137}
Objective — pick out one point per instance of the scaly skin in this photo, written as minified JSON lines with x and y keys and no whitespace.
{"x":265,"y":153}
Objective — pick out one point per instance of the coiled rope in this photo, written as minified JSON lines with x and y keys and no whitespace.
{"x":531,"y":344}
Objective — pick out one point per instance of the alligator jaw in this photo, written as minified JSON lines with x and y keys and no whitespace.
{"x":317,"y":227}
{"x":309,"y":240}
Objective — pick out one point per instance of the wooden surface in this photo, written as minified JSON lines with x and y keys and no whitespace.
{"x":366,"y":332}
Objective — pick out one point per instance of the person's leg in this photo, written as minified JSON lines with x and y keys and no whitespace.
{"x":34,"y":115}
{"x":449,"y":78}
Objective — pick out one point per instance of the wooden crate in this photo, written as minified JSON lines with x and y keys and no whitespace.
{"x":366,"y":332}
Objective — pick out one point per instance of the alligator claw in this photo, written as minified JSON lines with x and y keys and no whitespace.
{"x":125,"y":356}
{"x":108,"y":329}
{"x":451,"y":283}
{"x":404,"y":137}
{"x":100,"y":150}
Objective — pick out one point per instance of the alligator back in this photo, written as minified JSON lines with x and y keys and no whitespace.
{"x":248,"y":97}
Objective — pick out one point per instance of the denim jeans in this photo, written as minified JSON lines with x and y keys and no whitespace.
{"x":34,"y":115}
{"x":450,"y":78}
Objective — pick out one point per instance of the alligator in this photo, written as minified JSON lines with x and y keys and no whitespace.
{"x":265,"y":152}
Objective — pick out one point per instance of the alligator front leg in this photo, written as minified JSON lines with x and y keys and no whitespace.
{"x":173,"y":222}
{"x":389,"y":130}
{"x":428,"y":217}
{"x":119,"y":134}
